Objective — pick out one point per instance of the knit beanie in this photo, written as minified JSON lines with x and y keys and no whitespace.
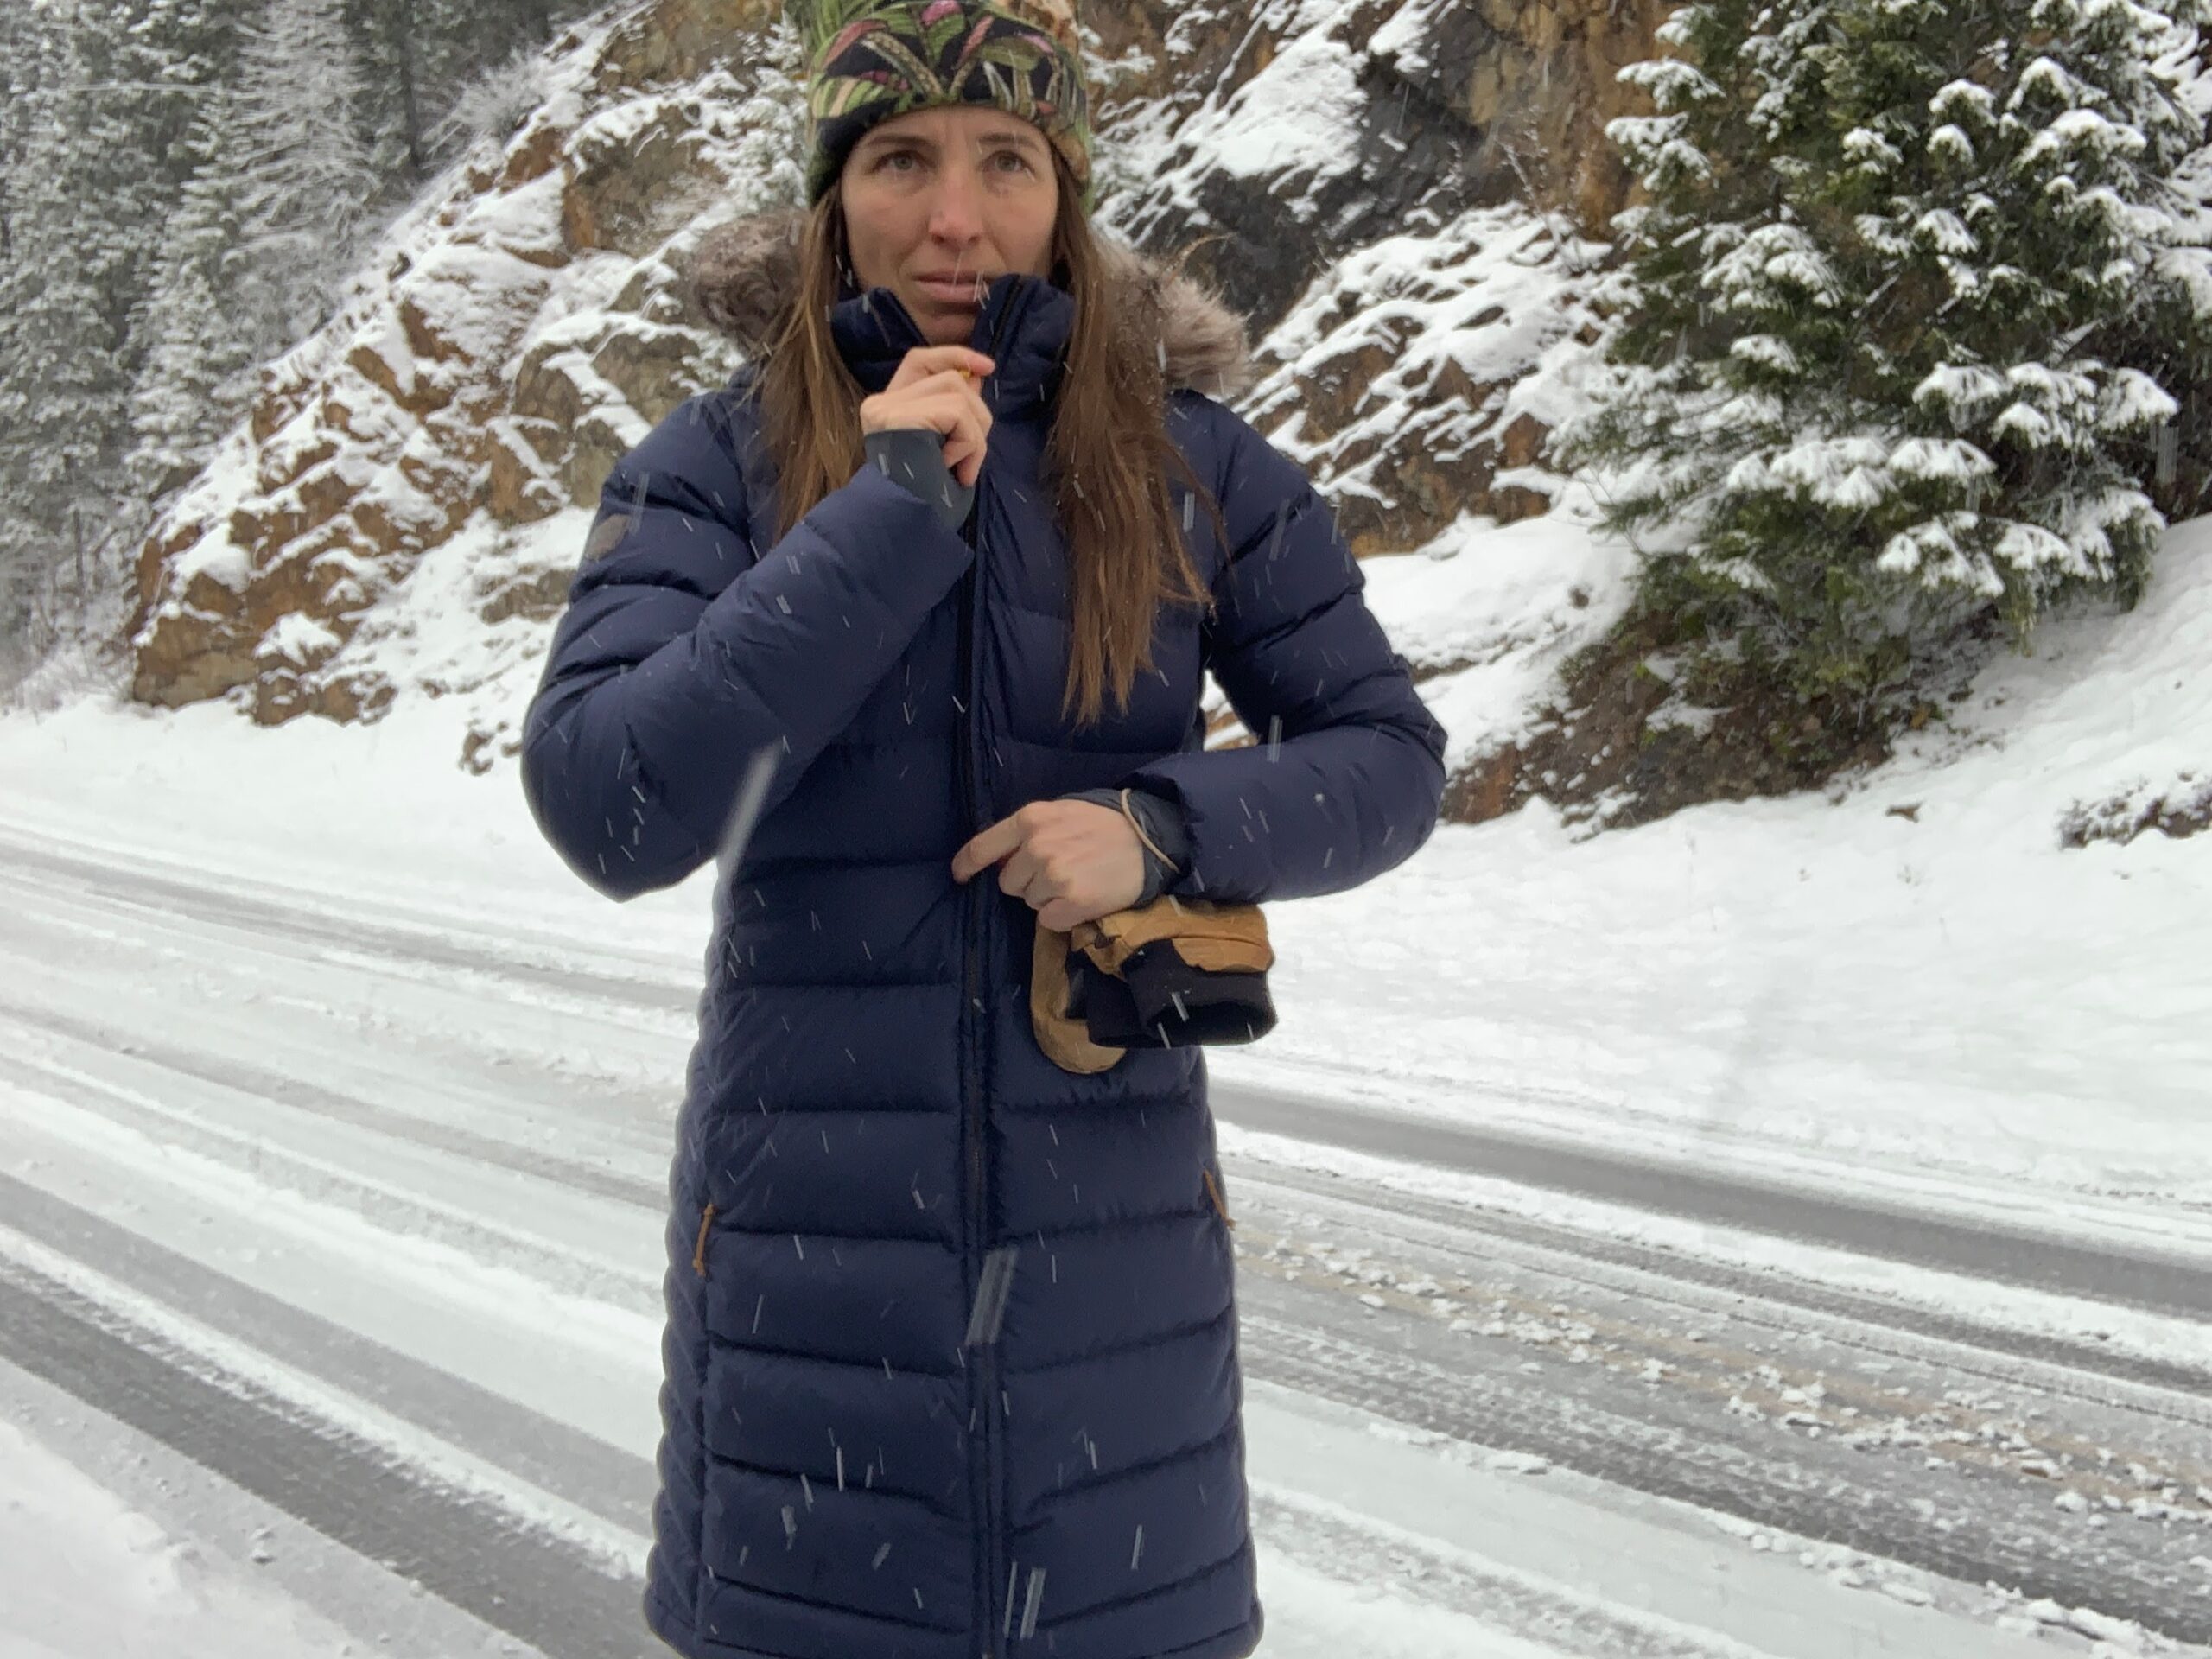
{"x":869,"y":60}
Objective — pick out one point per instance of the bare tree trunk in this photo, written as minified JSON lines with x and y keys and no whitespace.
{"x":401,"y":41}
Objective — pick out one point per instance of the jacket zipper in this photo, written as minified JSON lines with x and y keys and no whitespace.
{"x":984,"y":1469}
{"x":971,"y":979}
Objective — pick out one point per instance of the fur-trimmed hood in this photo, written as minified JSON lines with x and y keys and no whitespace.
{"x":743,"y":271}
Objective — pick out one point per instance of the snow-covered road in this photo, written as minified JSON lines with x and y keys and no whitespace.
{"x":339,"y":1209}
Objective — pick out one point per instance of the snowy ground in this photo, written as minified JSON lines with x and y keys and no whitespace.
{"x":314,"y":1015}
{"x":116,"y":1547}
{"x":1950,"y":1003}
{"x":223,"y":1576}
{"x":1947,"y":997}
{"x":87,"y":1574}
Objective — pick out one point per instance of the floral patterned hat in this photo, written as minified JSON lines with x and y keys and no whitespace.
{"x":871,"y":60}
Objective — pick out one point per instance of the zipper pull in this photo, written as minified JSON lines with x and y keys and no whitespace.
{"x":1213,"y":1191}
{"x":699,"y":1252}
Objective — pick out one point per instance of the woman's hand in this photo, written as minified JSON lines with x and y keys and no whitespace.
{"x":1071,"y":862}
{"x":935,"y":389}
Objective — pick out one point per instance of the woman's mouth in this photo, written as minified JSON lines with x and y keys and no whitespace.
{"x":953,"y":290}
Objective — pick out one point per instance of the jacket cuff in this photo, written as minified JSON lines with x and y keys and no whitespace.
{"x":1164,"y":824}
{"x":914,"y":456}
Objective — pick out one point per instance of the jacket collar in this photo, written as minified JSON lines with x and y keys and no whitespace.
{"x":1023,"y":326}
{"x":744,"y":272}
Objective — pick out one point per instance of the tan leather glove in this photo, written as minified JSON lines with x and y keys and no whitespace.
{"x":1175,"y":971}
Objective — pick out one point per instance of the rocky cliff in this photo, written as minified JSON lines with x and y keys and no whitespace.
{"x":1397,"y":193}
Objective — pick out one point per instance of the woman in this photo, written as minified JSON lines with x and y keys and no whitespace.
{"x":952,"y":1366}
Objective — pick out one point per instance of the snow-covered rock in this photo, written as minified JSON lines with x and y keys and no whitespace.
{"x":512,"y":335}
{"x":1393,"y":191}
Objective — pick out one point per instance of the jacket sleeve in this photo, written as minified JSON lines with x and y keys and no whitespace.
{"x":1346,"y":778}
{"x":685,"y":650}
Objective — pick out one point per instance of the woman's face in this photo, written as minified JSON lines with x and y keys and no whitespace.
{"x":940,"y":201}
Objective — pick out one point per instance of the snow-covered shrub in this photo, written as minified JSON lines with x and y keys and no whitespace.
{"x":1855,"y":399}
{"x":495,"y":102}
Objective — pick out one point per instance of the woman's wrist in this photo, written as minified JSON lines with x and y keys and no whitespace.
{"x":914,"y":456}
{"x":1162,"y":833}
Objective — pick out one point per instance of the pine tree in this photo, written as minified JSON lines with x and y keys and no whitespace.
{"x":305,"y":190}
{"x":29,"y":58}
{"x":403,"y":47}
{"x":174,"y":52}
{"x":1855,"y":402}
{"x":183,"y":184}
{"x":195,"y":376}
{"x":421,"y":57}
{"x":2167,"y":337}
{"x":26,"y":46}
{"x":76,"y":232}
{"x":111,"y":170}
{"x":99,"y":94}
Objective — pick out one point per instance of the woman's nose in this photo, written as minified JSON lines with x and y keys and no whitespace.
{"x":956,"y":215}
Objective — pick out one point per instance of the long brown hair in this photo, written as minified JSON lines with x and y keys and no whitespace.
{"x":1109,"y":460}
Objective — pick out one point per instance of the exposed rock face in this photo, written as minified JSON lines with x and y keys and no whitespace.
{"x":1409,"y":381}
{"x":1396,"y":187}
{"x":1401,"y":190}
{"x":1381,"y":118}
{"x":526,"y":331}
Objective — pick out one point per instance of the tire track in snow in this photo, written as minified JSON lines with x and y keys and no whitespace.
{"x":234,"y":909}
{"x":1808,"y":1496}
{"x":460,"y":1036}
{"x":258,"y":1168}
{"x":577,"y":1468}
{"x":300,"y":1095}
{"x":1985,"y":1249}
{"x":2172,"y":1285}
{"x":538,"y":1586}
{"x":1413,"y":1372}
{"x":1587,"y":1626}
{"x":1323,"y":1343}
{"x":489,"y":1558}
{"x":1682,"y":1436}
{"x":1694,"y":1286}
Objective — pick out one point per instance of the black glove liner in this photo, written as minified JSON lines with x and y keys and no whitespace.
{"x":1162,"y":1001}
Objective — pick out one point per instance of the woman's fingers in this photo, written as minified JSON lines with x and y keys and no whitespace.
{"x":946,"y":402}
{"x":927,"y":364}
{"x":938,"y":396}
{"x":965,"y":439}
{"x":1022,"y":871}
{"x":936,"y":387}
{"x":926,"y":361}
{"x":950,"y":383}
{"x":965,"y":425}
{"x":964,"y":454}
{"x":1070,"y":861}
{"x":946,"y":413}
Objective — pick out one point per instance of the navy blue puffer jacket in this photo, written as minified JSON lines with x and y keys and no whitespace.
{"x":951,"y":1362}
